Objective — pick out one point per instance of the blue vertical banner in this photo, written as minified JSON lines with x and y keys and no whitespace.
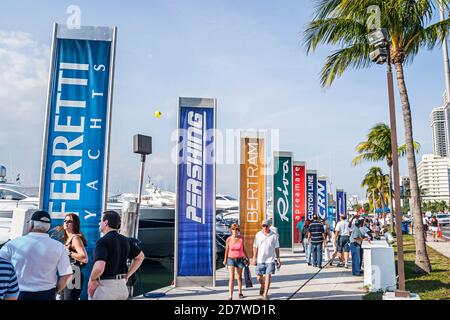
{"x":195,"y":207}
{"x":76,"y":135}
{"x":340,"y":204}
{"x":311,"y":193}
{"x":322,"y":205}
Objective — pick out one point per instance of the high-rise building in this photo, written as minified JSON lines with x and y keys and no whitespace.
{"x":439,"y":129}
{"x":433,"y":175}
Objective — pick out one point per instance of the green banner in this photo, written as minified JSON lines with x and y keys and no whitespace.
{"x":282,"y":197}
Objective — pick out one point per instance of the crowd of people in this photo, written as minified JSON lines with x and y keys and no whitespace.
{"x":313,"y":235}
{"x":38,"y":267}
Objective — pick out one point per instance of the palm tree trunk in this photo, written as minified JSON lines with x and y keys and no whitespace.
{"x":422,"y":260}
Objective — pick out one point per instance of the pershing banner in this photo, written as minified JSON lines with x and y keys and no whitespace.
{"x":195,"y":243}
{"x":282,"y":197}
{"x":77,"y":128}
{"x":252,"y":195}
{"x":311,"y":194}
{"x":299,"y":194}
{"x":322,"y":198}
{"x":340,"y":204}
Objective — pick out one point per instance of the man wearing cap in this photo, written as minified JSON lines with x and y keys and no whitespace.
{"x":266,"y":255}
{"x":110,"y":273}
{"x":38,"y":261}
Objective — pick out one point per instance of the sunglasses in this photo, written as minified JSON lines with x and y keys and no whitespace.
{"x":265,"y":225}
{"x":68,"y":221}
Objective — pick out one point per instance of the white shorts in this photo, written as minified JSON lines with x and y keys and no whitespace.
{"x":434,"y":229}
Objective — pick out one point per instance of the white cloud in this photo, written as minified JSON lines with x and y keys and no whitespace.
{"x":23,"y":88}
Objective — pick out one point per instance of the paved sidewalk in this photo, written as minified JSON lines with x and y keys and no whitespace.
{"x":442,"y":246}
{"x":330,"y":283}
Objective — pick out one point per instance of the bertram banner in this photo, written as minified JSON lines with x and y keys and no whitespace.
{"x":311,"y":194}
{"x":75,"y":153}
{"x":322,"y":207}
{"x":252,"y":202}
{"x":195,"y":244}
{"x":299,"y":173}
{"x":282,"y":197}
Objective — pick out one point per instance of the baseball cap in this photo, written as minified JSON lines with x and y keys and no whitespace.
{"x":41,"y":216}
{"x":266,"y":222}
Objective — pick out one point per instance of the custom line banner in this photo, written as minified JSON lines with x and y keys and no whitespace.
{"x":340,"y":204}
{"x":322,"y":198}
{"x":311,"y":194}
{"x":75,"y":153}
{"x":195,"y":243}
{"x":299,"y":195}
{"x":252,"y":195}
{"x":282,"y":197}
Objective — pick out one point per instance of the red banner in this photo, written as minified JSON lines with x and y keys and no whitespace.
{"x":299,"y":184}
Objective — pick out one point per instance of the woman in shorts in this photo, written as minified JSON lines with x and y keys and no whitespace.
{"x":235,"y":258}
{"x":434,"y":228}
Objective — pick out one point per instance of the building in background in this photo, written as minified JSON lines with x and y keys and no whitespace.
{"x":439,"y":129}
{"x":433,"y":175}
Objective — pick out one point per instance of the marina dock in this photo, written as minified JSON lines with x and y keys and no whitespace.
{"x":294,"y":281}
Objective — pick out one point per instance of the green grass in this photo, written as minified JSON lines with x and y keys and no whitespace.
{"x":433,"y":286}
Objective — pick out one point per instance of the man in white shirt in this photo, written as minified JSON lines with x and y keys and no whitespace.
{"x":342,"y":232}
{"x":265,"y":248}
{"x":38,"y":261}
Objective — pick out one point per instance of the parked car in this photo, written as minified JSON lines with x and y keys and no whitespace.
{"x":443,"y":219}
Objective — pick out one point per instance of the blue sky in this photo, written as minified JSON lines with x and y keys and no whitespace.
{"x":247,"y":54}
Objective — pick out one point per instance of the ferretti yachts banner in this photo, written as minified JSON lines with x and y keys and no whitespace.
{"x":195,"y":208}
{"x":311,"y":193}
{"x":77,"y":128}
{"x":340,"y":204}
{"x":322,"y":198}
{"x":299,"y":195}
{"x":282,"y":197}
{"x":252,"y":202}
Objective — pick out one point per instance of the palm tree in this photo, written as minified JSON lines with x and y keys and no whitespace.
{"x":343,"y":23}
{"x":378,"y":147}
{"x":377,"y":184}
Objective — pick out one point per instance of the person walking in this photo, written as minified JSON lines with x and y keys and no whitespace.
{"x":38,"y":261}
{"x":266,"y":255}
{"x":299,"y":228}
{"x":356,"y":240}
{"x":434,"y":228}
{"x":335,"y":251}
{"x":9,"y":287}
{"x":235,"y":258}
{"x":75,"y":243}
{"x":316,"y":236}
{"x":342,"y":232}
{"x":306,"y":242}
{"x":109,"y":276}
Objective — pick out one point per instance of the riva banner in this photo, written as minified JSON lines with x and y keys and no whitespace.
{"x":252,"y":202}
{"x":311,"y":194}
{"x":77,"y":128}
{"x":299,"y":177}
{"x":195,"y":206}
{"x":282,"y":197}
{"x":322,"y":207}
{"x":340,"y":204}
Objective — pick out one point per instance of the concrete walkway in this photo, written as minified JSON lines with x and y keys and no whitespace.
{"x":443,"y":246}
{"x":330,"y":283}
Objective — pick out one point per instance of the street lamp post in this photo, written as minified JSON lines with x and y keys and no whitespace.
{"x":379,"y":39}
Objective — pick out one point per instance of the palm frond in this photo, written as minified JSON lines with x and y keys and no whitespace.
{"x":356,"y":56}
